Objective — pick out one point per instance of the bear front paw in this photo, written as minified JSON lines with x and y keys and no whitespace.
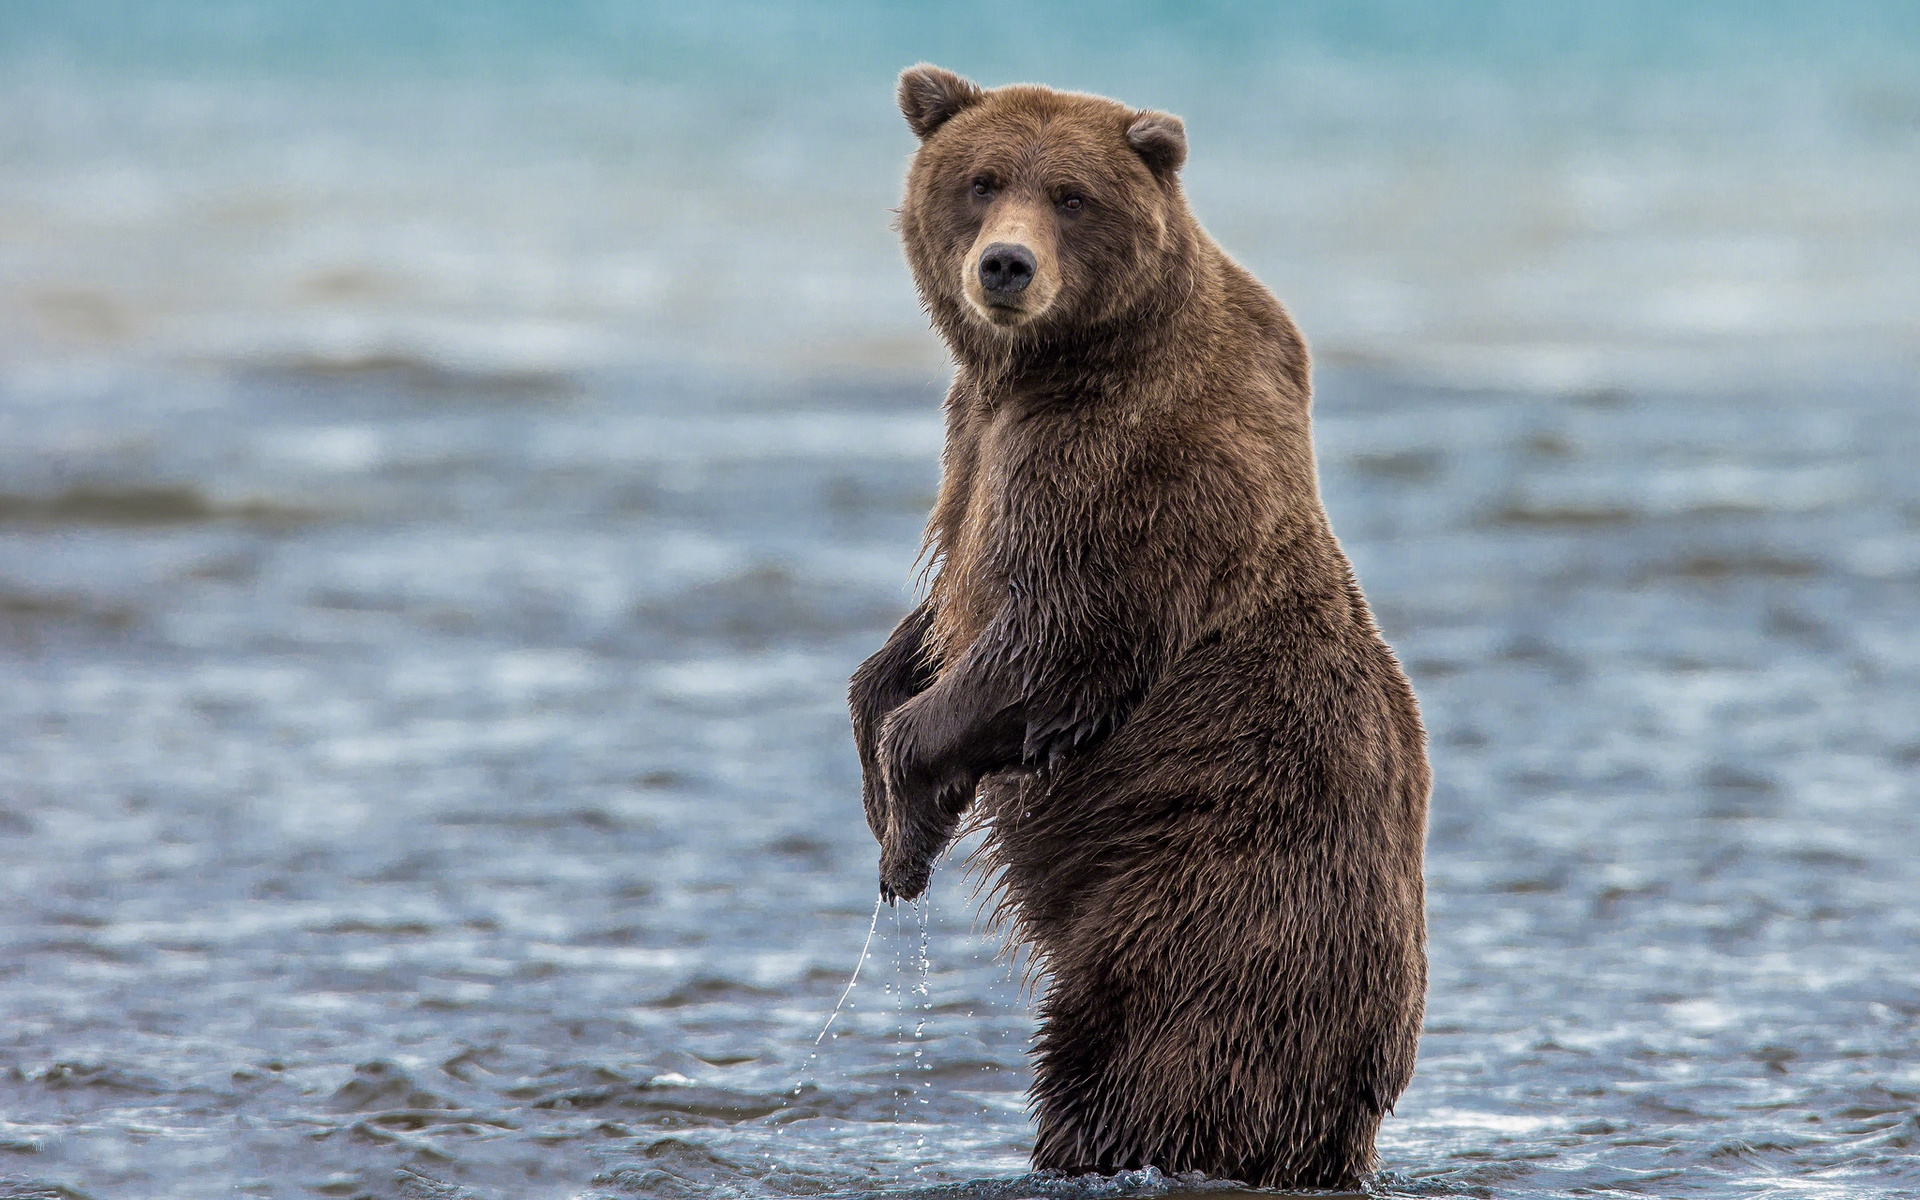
{"x":903,"y":879}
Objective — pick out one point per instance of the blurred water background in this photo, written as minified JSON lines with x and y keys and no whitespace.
{"x":452,"y":454}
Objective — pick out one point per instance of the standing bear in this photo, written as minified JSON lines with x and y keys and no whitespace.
{"x":1144,"y":663}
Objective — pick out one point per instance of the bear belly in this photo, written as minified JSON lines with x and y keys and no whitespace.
{"x":1227,"y":899}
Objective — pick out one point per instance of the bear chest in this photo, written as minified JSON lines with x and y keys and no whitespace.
{"x":972,"y":582}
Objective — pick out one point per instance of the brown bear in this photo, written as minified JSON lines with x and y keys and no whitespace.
{"x":1144,"y":663}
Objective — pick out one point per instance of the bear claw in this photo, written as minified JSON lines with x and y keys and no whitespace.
{"x":903,"y":883}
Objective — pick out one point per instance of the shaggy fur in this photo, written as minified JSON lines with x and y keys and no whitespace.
{"x":1146,"y":660}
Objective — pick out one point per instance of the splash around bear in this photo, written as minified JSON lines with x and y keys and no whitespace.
{"x":1144,"y":664}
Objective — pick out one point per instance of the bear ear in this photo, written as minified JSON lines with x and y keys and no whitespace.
{"x":1160,"y":139}
{"x":930,"y":96}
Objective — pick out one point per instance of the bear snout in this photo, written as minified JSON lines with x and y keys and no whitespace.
{"x":1011,"y":273}
{"x":1006,"y":269}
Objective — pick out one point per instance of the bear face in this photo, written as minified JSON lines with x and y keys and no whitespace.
{"x":1030,"y":211}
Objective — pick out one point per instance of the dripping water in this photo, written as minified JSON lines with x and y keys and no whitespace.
{"x":923,"y":1007}
{"x":897,"y":992}
{"x":865,"y":948}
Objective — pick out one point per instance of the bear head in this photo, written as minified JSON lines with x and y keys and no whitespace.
{"x":1031,"y":213}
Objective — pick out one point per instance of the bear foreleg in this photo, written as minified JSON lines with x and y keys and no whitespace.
{"x":891,"y":676}
{"x":934,"y":750}
{"x":1015,"y":700}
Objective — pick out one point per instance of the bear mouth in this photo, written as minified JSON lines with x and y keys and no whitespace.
{"x":1002,"y":312}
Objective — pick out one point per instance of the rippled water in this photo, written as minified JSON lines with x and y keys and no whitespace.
{"x":438,"y":785}
{"x":452,"y":455}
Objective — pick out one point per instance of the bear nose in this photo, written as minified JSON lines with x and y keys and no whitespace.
{"x":1006,"y":268}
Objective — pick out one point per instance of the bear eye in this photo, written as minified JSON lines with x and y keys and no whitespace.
{"x":981,"y":186}
{"x":1073,"y":203}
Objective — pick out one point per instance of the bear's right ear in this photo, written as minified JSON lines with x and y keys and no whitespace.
{"x":1160,"y":139}
{"x":929,"y":97}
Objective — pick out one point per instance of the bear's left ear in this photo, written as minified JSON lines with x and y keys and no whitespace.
{"x":1160,"y":139}
{"x":930,"y":96}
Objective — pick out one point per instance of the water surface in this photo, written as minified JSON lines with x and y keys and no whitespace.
{"x":447,"y":786}
{"x":452,"y":455}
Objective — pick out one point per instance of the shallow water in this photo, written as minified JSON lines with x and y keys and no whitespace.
{"x":452,"y":455}
{"x":443,"y":790}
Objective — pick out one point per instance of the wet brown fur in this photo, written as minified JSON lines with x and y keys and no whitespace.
{"x":1145,"y":659}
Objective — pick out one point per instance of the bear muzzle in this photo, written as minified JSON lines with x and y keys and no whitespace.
{"x":1011,"y":272}
{"x":1009,"y":279}
{"x":1005,"y":270}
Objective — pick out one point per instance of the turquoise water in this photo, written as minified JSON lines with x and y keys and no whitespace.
{"x":796,"y":42}
{"x":1537,"y":195}
{"x":451,"y":457}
